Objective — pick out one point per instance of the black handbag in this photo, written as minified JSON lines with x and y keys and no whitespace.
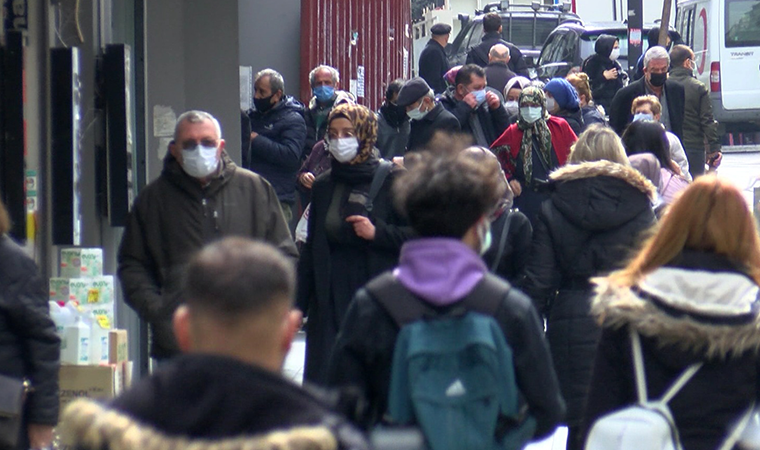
{"x":12,"y":395}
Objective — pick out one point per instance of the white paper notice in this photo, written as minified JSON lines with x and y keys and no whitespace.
{"x":164,"y":120}
{"x":360,"y":82}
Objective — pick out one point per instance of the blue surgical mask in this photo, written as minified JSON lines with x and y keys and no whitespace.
{"x":480,"y":96}
{"x":200,"y":161}
{"x":324,"y":93}
{"x":531,"y":114}
{"x":643,"y":116}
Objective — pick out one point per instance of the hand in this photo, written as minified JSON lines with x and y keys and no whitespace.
{"x":254,"y":135}
{"x":362,"y":227}
{"x":516,"y":187}
{"x":471,"y":100}
{"x":306,"y":179}
{"x":611,"y":74}
{"x":398,"y":160}
{"x":714,"y":159}
{"x":492,"y":100}
{"x":40,"y":436}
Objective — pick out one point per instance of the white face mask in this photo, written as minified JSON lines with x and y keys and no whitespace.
{"x":615,"y":54}
{"x":550,"y":104}
{"x":512,"y":107}
{"x":416,"y":113}
{"x":200,"y":162}
{"x":343,"y":149}
{"x":530,"y":114}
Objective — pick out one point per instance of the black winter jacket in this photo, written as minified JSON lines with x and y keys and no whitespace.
{"x":574,"y":119}
{"x":433,"y":66}
{"x":620,"y":111}
{"x":276,"y":152}
{"x":422,"y":131}
{"x":587,"y":228}
{"x":208,"y":400}
{"x":516,"y":252}
{"x":602,"y":89}
{"x":363,"y":356}
{"x":677,"y":330}
{"x":492,"y":121}
{"x":479,"y":54}
{"x":29,"y":345}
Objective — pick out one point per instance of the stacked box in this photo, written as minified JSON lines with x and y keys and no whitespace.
{"x":59,"y":290}
{"x":81,"y":262}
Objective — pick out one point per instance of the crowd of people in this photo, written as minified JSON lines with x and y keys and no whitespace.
{"x":483,"y":258}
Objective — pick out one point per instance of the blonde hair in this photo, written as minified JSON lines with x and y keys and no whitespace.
{"x":711,"y":216}
{"x":598,"y":143}
{"x":650,"y":100}
{"x":581,"y":84}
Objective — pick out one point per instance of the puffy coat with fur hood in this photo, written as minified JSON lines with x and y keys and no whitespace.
{"x":587,"y":228}
{"x":699,"y":307}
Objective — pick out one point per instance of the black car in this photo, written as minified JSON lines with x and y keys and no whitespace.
{"x":571,"y":43}
{"x":526,"y":26}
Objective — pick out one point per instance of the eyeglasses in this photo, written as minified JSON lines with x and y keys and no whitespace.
{"x":190,"y":144}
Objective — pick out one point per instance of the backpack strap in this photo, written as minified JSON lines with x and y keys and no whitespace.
{"x":488,"y":295}
{"x":641,"y":386}
{"x":383,"y":169}
{"x":736,"y":433}
{"x":502,"y":241}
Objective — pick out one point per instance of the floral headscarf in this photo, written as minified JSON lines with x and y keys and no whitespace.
{"x":531,"y":96}
{"x":365,"y":126}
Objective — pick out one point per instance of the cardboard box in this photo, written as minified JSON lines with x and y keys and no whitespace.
{"x":98,"y":382}
{"x":59,"y":289}
{"x":81,"y":262}
{"x":118,"y":348}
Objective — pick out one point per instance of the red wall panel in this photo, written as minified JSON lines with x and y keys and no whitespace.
{"x":349,"y":34}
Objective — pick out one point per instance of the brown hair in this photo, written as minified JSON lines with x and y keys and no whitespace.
{"x":581,"y":84}
{"x":711,"y":216}
{"x":5,"y":220}
{"x":650,"y":100}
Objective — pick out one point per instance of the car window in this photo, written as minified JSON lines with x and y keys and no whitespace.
{"x":519,"y":30}
{"x":742,"y":17}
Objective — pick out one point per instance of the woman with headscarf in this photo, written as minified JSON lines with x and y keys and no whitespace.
{"x":598,"y":207}
{"x":530,"y":149}
{"x":351,"y":237}
{"x":512,"y":95}
{"x":562,"y":101}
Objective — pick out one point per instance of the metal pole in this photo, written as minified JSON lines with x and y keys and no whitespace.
{"x":635,"y":24}
{"x":665,"y":23}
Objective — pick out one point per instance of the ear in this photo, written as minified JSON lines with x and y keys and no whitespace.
{"x":175,"y":151}
{"x":182,"y":331}
{"x":219,"y":150}
{"x":290,"y":326}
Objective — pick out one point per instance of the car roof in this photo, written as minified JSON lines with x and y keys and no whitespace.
{"x":530,"y":13}
{"x":593,"y":28}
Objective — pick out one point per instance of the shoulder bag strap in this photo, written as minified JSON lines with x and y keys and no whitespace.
{"x":383,"y":169}
{"x":502,"y":240}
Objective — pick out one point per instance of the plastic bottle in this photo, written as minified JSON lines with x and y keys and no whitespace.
{"x":77,"y":336}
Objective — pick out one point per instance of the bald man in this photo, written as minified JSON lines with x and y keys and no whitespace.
{"x":497,"y":70}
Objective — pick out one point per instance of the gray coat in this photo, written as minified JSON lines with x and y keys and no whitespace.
{"x":391,"y":141}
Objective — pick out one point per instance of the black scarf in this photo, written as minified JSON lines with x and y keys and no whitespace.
{"x":393,"y":114}
{"x":358,"y":178}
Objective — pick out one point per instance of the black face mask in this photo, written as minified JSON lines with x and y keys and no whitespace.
{"x":263,"y":104}
{"x":394,"y":114}
{"x":657,"y":79}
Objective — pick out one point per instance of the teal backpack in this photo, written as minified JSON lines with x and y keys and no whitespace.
{"x":452,"y":373}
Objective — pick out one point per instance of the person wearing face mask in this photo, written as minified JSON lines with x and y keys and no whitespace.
{"x":392,"y":123}
{"x":512,"y":95}
{"x":479,"y":111}
{"x":200,"y":196}
{"x":532,"y":148}
{"x":655,"y":82}
{"x":605,"y":73}
{"x":326,"y":94}
{"x":592,"y":113}
{"x":354,"y":231}
{"x":562,"y":101}
{"x":699,"y":125}
{"x":428,"y":116}
{"x":278,"y":133}
{"x":448,"y":196}
{"x":598,"y":208}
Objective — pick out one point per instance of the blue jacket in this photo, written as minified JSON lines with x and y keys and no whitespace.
{"x":276,"y":153}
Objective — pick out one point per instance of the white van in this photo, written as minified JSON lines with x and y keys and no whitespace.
{"x":725,"y":37}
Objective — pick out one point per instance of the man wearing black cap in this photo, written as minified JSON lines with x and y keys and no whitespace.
{"x":433,"y":63}
{"x":427,"y":115}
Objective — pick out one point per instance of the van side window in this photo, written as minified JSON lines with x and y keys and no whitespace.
{"x":742,"y":17}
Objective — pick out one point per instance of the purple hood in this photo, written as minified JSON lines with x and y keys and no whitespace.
{"x":439,"y":270}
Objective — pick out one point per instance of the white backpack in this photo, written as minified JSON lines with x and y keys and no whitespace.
{"x":648,"y":424}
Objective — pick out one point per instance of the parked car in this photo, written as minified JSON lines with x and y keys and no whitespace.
{"x":725,"y":37}
{"x":526,"y":26}
{"x":568,"y":45}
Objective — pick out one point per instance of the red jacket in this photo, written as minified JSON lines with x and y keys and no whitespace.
{"x":563,"y":138}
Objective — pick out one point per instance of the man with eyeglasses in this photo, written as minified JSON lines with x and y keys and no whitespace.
{"x":200,"y":197}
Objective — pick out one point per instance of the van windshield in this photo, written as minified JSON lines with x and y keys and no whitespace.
{"x":742,"y":19}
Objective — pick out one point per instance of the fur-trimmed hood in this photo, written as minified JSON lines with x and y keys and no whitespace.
{"x":703,"y":312}
{"x":89,"y":425}
{"x":601,"y":195}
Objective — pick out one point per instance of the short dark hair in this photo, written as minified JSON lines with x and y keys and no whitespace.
{"x":679,"y":54}
{"x":465,"y":73}
{"x":648,"y":137}
{"x":491,"y":22}
{"x":238,"y":276}
{"x":445,"y":193}
{"x":394,"y":88}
